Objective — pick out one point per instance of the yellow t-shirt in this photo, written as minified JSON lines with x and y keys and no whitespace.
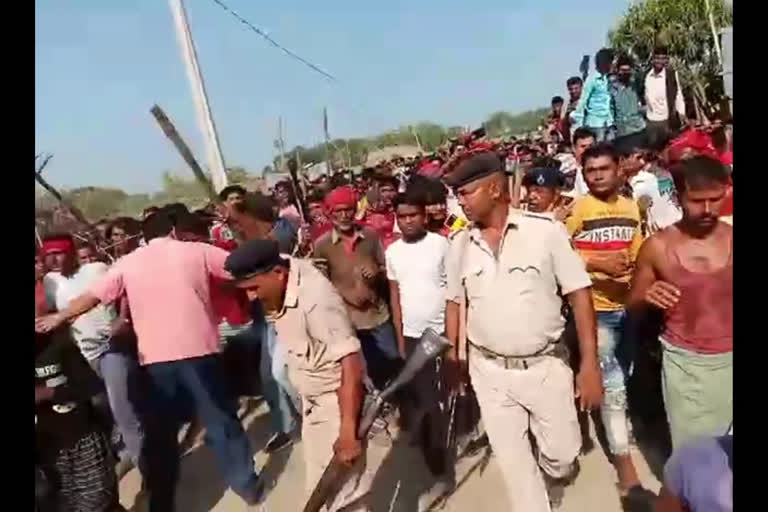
{"x":600,"y":227}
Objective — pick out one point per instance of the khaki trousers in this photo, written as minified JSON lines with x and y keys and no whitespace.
{"x":517,"y":403}
{"x":320,"y":429}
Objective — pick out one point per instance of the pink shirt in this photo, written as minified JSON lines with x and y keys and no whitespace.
{"x":167,"y":283}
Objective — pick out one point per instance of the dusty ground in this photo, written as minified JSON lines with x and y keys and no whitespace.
{"x":403,"y":474}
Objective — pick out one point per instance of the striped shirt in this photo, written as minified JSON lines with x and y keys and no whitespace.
{"x":600,"y":227}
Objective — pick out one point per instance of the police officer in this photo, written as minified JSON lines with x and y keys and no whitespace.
{"x":512,"y":267}
{"x":543,"y":187}
{"x":323,"y":357}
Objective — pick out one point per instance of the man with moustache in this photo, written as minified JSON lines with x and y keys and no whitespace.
{"x":626,"y":103}
{"x":686,"y":271}
{"x":514,"y":268}
{"x":324,"y":360}
{"x":356,"y":267}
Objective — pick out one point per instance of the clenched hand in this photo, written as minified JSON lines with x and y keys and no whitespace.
{"x":348,"y":449}
{"x":589,"y":386}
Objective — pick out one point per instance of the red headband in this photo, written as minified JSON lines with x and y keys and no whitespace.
{"x":60,"y":245}
{"x":341,"y":196}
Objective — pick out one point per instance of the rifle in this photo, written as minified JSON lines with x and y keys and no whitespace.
{"x":430,"y":346}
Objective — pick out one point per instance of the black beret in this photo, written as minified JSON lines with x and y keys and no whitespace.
{"x":543,"y":177}
{"x":473,"y":168}
{"x":253,"y":258}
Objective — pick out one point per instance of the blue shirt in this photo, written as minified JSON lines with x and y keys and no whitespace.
{"x":700,"y":473}
{"x":286,"y":235}
{"x":594,"y":107}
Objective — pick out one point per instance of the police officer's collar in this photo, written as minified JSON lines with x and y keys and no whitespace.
{"x":513,"y":220}
{"x":291,"y":299}
{"x":292,"y":289}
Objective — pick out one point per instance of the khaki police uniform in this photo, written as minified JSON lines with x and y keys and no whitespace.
{"x":316,"y":333}
{"x":514,"y":309}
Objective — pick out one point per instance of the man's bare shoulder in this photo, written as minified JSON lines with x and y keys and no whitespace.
{"x":654,"y":248}
{"x":725,"y":229}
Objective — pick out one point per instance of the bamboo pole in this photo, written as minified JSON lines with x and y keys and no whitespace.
{"x":55,"y":193}
{"x":170,"y":131}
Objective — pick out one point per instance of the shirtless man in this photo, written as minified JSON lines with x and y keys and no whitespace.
{"x":686,"y":270}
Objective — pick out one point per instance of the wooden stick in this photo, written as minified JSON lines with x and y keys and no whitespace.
{"x":55,"y":193}
{"x":170,"y":131}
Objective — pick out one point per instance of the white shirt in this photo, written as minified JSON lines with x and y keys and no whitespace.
{"x":661,"y":212}
{"x":569,"y":165}
{"x":419,"y":269}
{"x":92,"y":330}
{"x":656,"y":96}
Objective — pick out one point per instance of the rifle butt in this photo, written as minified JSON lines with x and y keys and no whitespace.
{"x":327,"y":486}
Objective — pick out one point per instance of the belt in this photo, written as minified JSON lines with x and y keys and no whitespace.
{"x":557,"y":350}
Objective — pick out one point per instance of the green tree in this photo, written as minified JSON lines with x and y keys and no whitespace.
{"x":179,"y":189}
{"x":503,"y":123}
{"x":97,"y":202}
{"x":683,"y":26}
{"x":237,"y":174}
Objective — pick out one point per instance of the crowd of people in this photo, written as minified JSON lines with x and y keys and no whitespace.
{"x":558,"y":265}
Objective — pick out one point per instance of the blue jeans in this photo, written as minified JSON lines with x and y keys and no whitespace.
{"x":382,"y":359}
{"x":284,"y":403}
{"x":121,"y":375}
{"x":613,"y":410}
{"x":177,"y":390}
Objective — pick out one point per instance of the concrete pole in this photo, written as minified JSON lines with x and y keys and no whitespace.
{"x":202,"y":108}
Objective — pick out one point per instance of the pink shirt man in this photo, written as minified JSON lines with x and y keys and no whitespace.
{"x":167,"y":283}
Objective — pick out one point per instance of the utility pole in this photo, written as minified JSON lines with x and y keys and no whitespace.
{"x":281,"y":143}
{"x":194,"y":75}
{"x":327,"y":142}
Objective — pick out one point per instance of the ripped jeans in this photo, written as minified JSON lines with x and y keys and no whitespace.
{"x":613,"y":410}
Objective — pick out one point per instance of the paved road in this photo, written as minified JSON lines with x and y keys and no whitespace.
{"x":202,"y":490}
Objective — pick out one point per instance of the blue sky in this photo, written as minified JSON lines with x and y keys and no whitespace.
{"x":100,"y":65}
